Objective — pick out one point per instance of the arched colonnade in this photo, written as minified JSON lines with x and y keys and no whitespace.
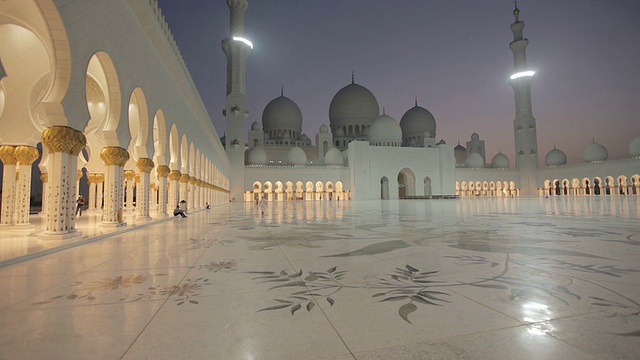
{"x":298,"y":190}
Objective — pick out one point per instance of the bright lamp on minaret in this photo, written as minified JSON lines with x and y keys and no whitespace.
{"x":241,"y":39}
{"x":522,"y":74}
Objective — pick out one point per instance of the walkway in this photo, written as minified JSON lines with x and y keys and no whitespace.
{"x":483,"y":278}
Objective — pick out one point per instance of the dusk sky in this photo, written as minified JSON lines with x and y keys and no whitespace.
{"x":453,"y":55}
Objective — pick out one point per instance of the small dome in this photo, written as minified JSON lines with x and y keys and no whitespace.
{"x":353,"y":104}
{"x":595,"y":152}
{"x":282,"y":113}
{"x":475,"y":136}
{"x":460,"y":148}
{"x":304,"y":137}
{"x":416,"y":121}
{"x":385,"y":129}
{"x":555,"y":157}
{"x":256,"y":156}
{"x":634,"y":147}
{"x":255,"y":126}
{"x":333,"y":157}
{"x":339,"y":132}
{"x":441,"y":142}
{"x":324,"y":129}
{"x":296,"y":156}
{"x":474,"y":160}
{"x":500,"y":161}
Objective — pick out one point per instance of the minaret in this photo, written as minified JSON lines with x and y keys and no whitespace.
{"x":524,"y":124}
{"x":236,"y":47}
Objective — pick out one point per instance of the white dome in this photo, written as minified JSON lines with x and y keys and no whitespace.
{"x":256,"y":156}
{"x":304,"y":137}
{"x":296,"y":156}
{"x":475,"y":136}
{"x":385,"y":129}
{"x":474,"y":160}
{"x":282,"y":113}
{"x":416,"y":121}
{"x":595,"y":152}
{"x":500,"y":161}
{"x":634,"y":147}
{"x":353,"y":105}
{"x":255,"y":126}
{"x":324,"y":129}
{"x":333,"y":157}
{"x":555,"y":157}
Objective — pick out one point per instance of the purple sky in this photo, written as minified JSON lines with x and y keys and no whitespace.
{"x":453,"y":55}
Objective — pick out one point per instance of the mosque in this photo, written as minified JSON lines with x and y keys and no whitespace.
{"x":109,"y":101}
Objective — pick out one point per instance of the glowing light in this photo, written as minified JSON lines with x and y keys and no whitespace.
{"x":238,"y":38}
{"x":522,"y":74}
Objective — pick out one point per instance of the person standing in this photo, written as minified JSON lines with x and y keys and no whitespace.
{"x":263,"y":205}
{"x":79,"y":205}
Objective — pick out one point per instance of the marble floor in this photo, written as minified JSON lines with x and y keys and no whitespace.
{"x":483,"y":278}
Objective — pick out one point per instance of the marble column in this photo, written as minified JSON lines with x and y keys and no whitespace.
{"x":201,"y":200}
{"x":100,"y":191}
{"x":174,"y":189}
{"x":162,"y":171}
{"x":153,"y":197}
{"x":25,"y":155}
{"x":9,"y":161}
{"x":142,"y":199}
{"x":184,"y":187}
{"x":64,"y":144}
{"x":44,"y":177}
{"x":92,"y":191}
{"x":114,"y":158}
{"x":191,"y":203}
{"x":130,"y":175}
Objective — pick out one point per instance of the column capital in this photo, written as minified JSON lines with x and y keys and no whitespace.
{"x":145,"y":165}
{"x":78,"y":175}
{"x":8,"y":155}
{"x":64,"y":139}
{"x":26,"y":155}
{"x":114,"y":155}
{"x":153,"y":186}
{"x":129,"y":175}
{"x":163,"y":170}
{"x":184,"y":178}
{"x":137,"y":177}
{"x":175,"y":175}
{"x":44,"y":177}
{"x":99,"y":178}
{"x":192,"y":181}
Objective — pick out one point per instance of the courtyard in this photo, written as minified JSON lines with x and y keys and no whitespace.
{"x":473,"y":278}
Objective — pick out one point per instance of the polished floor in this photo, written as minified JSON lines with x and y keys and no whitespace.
{"x":492,"y":278}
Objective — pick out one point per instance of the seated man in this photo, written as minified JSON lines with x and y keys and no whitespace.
{"x":177,"y":211}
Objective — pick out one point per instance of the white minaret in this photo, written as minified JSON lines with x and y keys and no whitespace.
{"x":237,"y":48}
{"x":524,"y":125}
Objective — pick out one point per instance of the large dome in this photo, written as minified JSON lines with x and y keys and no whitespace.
{"x":500,"y":161}
{"x":282,"y":113}
{"x":333,"y":157}
{"x":474,"y":160}
{"x":353,"y":105}
{"x":256,"y":156}
{"x":416,"y":121}
{"x":595,"y":152}
{"x":296,"y":156}
{"x":555,"y":157}
{"x":385,"y":129}
{"x":634,"y":147}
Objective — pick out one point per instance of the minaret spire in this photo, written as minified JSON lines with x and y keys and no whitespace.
{"x":353,"y":76}
{"x":282,"y":90}
{"x":416,"y":101}
{"x":237,"y":48}
{"x":526,"y":139}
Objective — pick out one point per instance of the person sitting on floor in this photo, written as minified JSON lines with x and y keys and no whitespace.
{"x":177,"y":211}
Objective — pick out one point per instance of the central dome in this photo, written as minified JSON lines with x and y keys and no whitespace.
{"x":595,"y":152}
{"x":282,"y":114}
{"x":555,"y":157}
{"x":353,"y":105}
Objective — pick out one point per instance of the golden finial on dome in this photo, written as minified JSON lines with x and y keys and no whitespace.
{"x":516,"y":11}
